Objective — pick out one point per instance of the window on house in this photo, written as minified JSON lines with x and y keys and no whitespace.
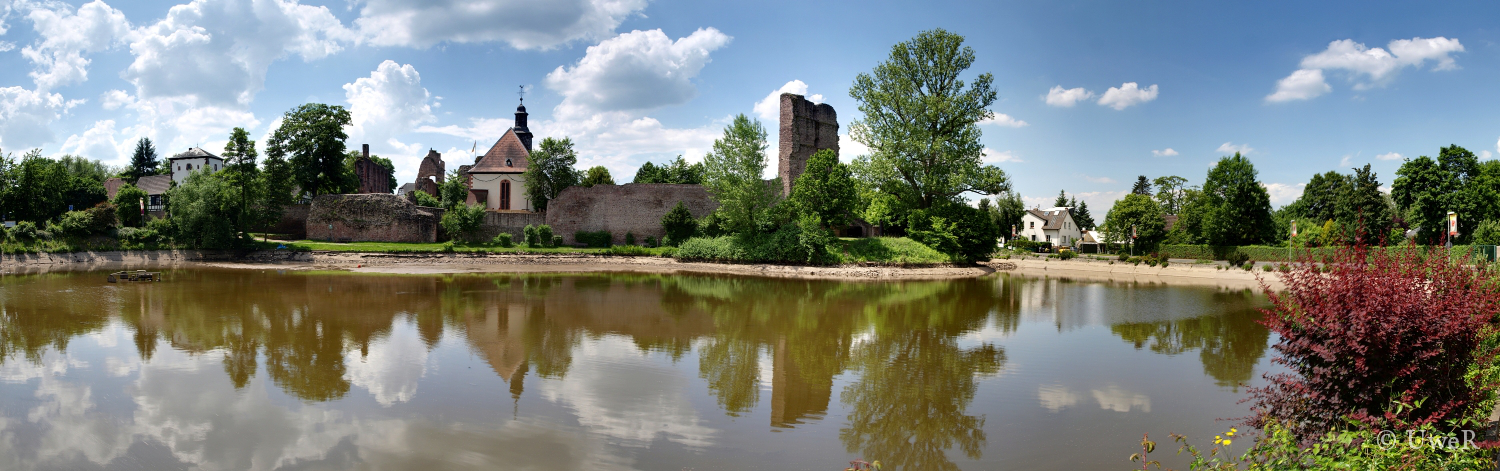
{"x":1033,"y":224}
{"x":1033,"y":237}
{"x":1049,"y":238}
{"x":504,"y":194}
{"x":507,"y":163}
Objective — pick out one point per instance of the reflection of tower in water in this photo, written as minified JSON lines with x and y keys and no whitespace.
{"x":793,"y":396}
{"x":497,"y":336}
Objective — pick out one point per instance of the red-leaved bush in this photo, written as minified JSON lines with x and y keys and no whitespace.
{"x":1370,"y":329}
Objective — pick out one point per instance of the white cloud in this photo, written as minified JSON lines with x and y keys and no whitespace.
{"x":1303,"y":84}
{"x":769,"y":108}
{"x":1066,"y":98}
{"x":1004,"y":120}
{"x":64,"y":36}
{"x":98,"y":143}
{"x":1346,"y":160}
{"x":520,"y":24}
{"x":638,"y":70}
{"x":1231,"y":148}
{"x":1282,"y":193}
{"x":1497,"y":144}
{"x":1168,"y":152}
{"x":1127,"y":95}
{"x":1096,"y":179}
{"x":1389,"y":156}
{"x":26,"y":115}
{"x":993,"y":157}
{"x":217,"y":52}
{"x":1485,"y":155}
{"x":114,"y":99}
{"x":849,"y":149}
{"x":389,"y":102}
{"x":1367,"y":67}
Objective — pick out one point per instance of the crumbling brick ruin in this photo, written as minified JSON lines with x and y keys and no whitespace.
{"x":632,"y":208}
{"x":432,"y":167}
{"x":371,"y":217}
{"x":373,"y":178}
{"x":805,"y":129}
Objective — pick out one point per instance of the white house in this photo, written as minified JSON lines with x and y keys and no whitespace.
{"x":193,"y":160}
{"x":496,"y":181}
{"x":1053,"y":225}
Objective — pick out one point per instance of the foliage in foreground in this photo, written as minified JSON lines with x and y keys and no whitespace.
{"x":1277,"y":448}
{"x":803,"y":243}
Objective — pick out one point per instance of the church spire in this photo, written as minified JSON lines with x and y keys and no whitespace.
{"x":521,"y":131}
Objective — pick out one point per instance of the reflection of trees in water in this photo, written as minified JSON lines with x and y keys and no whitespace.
{"x":1229,"y":344}
{"x":47,"y":315}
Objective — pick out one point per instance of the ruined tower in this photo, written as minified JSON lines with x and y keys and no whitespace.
{"x":805,"y":129}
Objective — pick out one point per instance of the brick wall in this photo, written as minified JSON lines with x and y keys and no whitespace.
{"x":293,"y":221}
{"x":512,"y":223}
{"x":370,"y":217}
{"x":805,"y":129}
{"x":634,"y":208}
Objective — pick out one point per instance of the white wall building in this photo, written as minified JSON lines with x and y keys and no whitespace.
{"x":193,"y":160}
{"x":1053,"y":225}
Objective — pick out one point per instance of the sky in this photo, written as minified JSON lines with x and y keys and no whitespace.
{"x":1091,"y":94}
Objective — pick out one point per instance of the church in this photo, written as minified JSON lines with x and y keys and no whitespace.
{"x":495,"y":180}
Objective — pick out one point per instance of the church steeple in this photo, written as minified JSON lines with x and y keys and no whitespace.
{"x":521,"y":131}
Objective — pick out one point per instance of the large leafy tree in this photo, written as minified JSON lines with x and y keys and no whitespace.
{"x":1139,"y":213}
{"x":550,"y":170}
{"x":1238,"y":207}
{"x":143,"y":161}
{"x":1426,"y":189}
{"x":1006,"y":212}
{"x":596,"y":175}
{"x":1361,"y":208}
{"x":352,"y":156}
{"x":278,"y":187}
{"x":312,"y":138}
{"x":678,"y":172}
{"x":1320,"y":198}
{"x":244,"y":179}
{"x":920,"y":122}
{"x":732,"y":174}
{"x":40,"y":190}
{"x":825,"y":189}
{"x":1170,"y":193}
{"x":203,"y":209}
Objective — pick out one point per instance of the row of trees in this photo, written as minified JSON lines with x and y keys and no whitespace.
{"x":1231,"y":208}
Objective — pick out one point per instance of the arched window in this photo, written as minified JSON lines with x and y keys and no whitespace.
{"x":504,"y":194}
{"x":508,"y":164}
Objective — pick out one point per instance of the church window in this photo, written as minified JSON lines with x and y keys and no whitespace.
{"x":507,"y":163}
{"x":504,"y":194}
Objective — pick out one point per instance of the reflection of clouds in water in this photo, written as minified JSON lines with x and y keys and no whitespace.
{"x":628,"y":397}
{"x":392,"y":369}
{"x":1119,"y":400}
{"x":1056,"y":397}
{"x":18,"y":369}
{"x":109,"y":336}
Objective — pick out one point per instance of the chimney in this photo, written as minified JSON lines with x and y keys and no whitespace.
{"x":367,"y":151}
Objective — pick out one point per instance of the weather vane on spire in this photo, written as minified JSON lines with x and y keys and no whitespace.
{"x":522,"y":93}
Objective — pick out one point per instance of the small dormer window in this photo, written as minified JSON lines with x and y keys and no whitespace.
{"x":508,"y":164}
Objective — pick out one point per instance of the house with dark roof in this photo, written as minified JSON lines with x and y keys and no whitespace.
{"x":195,"y":159}
{"x":495,"y":179}
{"x":155,"y":187}
{"x":1053,"y":225}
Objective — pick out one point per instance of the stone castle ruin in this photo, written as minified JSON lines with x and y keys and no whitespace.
{"x":806,"y":128}
{"x":432,"y":167}
{"x":373,"y":177}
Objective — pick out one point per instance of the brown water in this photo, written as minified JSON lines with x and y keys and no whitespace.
{"x":217,"y":369}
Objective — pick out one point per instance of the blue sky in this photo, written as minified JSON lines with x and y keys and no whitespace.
{"x":1301,"y":88}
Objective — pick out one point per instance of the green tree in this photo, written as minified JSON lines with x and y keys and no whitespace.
{"x":679,"y":172}
{"x":649,"y":173}
{"x":463,"y":222}
{"x":732,"y":175}
{"x":1239,"y":209}
{"x":1142,"y":186}
{"x":549,"y":171}
{"x":1362,"y":210}
{"x":1170,"y":191}
{"x":921,"y":122}
{"x":312,"y":136}
{"x":679,"y":225}
{"x":1419,"y":191}
{"x":203,"y":209}
{"x":1139,"y":213}
{"x":597,"y":175}
{"x":143,"y":161}
{"x":1062,"y":200}
{"x":277,"y":186}
{"x":1320,"y":198}
{"x":129,"y":206}
{"x":242,"y":174}
{"x":1081,"y":215}
{"x":825,"y":189}
{"x":352,"y":156}
{"x":454,"y":191}
{"x":1007,"y":212}
{"x":40,"y":189}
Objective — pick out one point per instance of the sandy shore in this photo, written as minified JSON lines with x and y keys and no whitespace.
{"x":1175,"y":273}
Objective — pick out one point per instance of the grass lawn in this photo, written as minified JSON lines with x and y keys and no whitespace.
{"x":882,"y":250}
{"x":887,"y":250}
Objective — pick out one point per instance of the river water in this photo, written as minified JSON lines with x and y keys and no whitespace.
{"x":266,"y":369}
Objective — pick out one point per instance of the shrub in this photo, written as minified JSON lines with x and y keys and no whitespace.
{"x":448,"y":246}
{"x":1267,"y":268}
{"x":1066,"y":255}
{"x":544,"y":236}
{"x":1124,"y":257}
{"x":504,"y":239}
{"x":632,"y":250}
{"x":594,"y":239}
{"x":1237,"y":258}
{"x":557,"y":240}
{"x":463,"y":222}
{"x":25,"y":231}
{"x":139,"y":238}
{"x":128,"y":208}
{"x":1248,"y":266}
{"x":424,"y":199}
{"x":629,"y":238}
{"x":792,"y":243}
{"x":669,"y":252}
{"x":965,"y":233}
{"x":679,"y":225}
{"x":1164,"y":263}
{"x":164,"y":228}
{"x":651,"y":241}
{"x":1386,"y":339}
{"x":92,"y":221}
{"x":530,"y":234}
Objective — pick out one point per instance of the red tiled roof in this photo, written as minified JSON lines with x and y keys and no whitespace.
{"x":509,"y":147}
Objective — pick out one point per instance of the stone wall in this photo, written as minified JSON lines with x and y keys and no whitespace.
{"x":373,"y":178}
{"x":370,"y":217}
{"x":513,"y":223}
{"x":632,"y":208}
{"x":293,"y":221}
{"x":805,"y":129}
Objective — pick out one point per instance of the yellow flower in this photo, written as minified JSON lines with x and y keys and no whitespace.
{"x":1226,"y":442}
{"x":1232,"y":431}
{"x":1218,"y":439}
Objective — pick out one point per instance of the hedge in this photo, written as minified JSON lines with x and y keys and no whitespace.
{"x":1261,"y":253}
